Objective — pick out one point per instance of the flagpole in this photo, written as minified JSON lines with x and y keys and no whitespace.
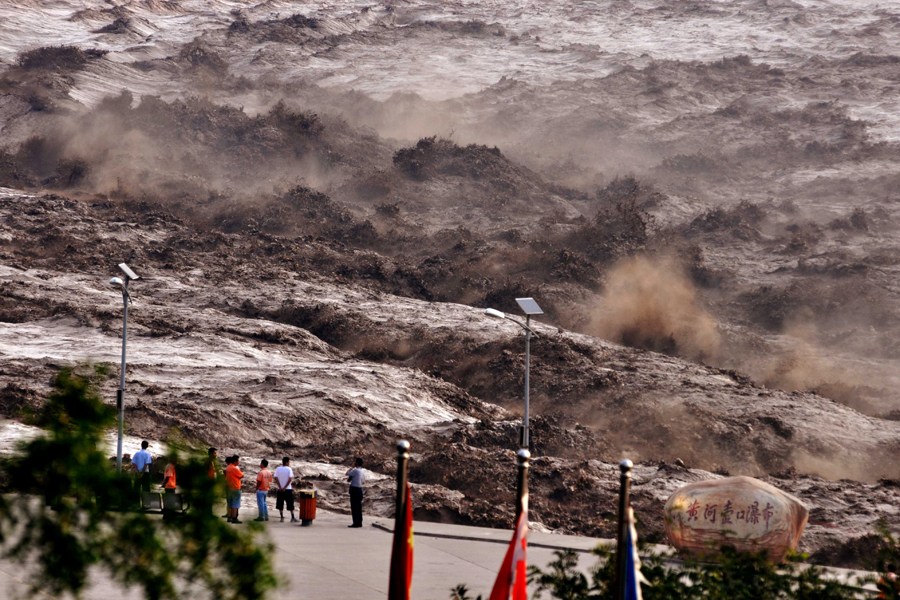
{"x":624,"y":502}
{"x":512,"y":579}
{"x":523,"y":455}
{"x":397,"y":586}
{"x":402,"y":462}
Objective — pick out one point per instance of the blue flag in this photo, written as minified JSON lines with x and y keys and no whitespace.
{"x":633,"y":577}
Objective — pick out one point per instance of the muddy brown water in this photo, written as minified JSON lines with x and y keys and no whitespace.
{"x":312,"y":212}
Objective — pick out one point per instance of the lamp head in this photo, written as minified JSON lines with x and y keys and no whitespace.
{"x":492,"y":312}
{"x":117,"y":281}
{"x":128,"y":272}
{"x":529,"y":306}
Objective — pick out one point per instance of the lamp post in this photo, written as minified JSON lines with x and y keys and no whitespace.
{"x":120,"y":394}
{"x":529,"y":307}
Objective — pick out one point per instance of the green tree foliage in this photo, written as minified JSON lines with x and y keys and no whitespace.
{"x":736,"y":576}
{"x":566,"y":582}
{"x":69,"y":511}
{"x":461,"y":592}
{"x":888,"y":563}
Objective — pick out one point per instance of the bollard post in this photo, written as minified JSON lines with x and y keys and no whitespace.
{"x":625,"y":467}
{"x":523,"y":457}
{"x":402,"y":462}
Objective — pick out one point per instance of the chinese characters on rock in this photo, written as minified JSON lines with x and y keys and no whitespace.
{"x":728,"y":514}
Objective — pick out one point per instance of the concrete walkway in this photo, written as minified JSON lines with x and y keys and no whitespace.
{"x":329,"y":561}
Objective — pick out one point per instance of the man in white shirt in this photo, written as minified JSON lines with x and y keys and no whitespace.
{"x":284,"y":476}
{"x":141,"y":462}
{"x":357,"y":477}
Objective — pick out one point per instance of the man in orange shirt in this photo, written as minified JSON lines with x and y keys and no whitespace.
{"x":233,"y":476}
{"x":169,"y":484}
{"x":263,"y":481}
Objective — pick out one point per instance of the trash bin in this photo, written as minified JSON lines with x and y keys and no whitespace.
{"x":307,"y":506}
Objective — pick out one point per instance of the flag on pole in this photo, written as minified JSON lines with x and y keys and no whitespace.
{"x":633,"y":576}
{"x":511,"y":582}
{"x":402,"y":554}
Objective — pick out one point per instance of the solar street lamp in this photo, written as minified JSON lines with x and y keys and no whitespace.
{"x":529,"y":307}
{"x":120,"y":394}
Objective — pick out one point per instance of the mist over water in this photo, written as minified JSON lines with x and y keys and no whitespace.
{"x":652,"y":304}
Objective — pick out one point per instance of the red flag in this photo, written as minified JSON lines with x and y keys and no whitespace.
{"x":402,"y":554}
{"x":511,"y":582}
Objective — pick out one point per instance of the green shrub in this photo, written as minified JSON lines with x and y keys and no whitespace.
{"x":737,"y":576}
{"x":888,"y":563}
{"x":70,"y":510}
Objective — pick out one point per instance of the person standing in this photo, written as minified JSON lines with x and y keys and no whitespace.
{"x":284,"y":478}
{"x":169,"y":482}
{"x":212,"y":466}
{"x":141,"y":461}
{"x":263,"y":481}
{"x":233,"y":476}
{"x":212,"y":463}
{"x":227,"y":514}
{"x":357,"y":478}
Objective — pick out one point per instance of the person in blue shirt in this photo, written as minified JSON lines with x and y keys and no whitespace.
{"x":141,"y":462}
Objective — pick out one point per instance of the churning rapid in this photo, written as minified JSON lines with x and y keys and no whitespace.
{"x":322,"y":198}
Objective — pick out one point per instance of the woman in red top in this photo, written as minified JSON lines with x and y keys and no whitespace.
{"x":233,"y":476}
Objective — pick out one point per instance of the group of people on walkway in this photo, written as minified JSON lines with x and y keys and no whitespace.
{"x":282,"y":479}
{"x":142,"y":463}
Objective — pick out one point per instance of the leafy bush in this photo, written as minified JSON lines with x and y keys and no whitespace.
{"x":738,"y":576}
{"x":887,"y":561}
{"x":70,"y":511}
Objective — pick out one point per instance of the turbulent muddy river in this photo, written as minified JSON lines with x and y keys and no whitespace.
{"x":322,"y":199}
